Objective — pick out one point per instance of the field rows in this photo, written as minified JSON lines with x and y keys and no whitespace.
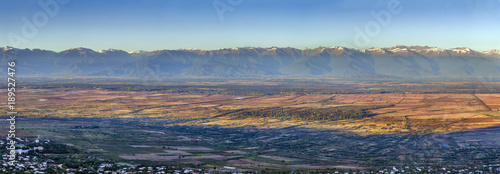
{"x":421,"y":113}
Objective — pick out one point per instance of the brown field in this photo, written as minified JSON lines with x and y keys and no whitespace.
{"x":172,"y":153}
{"x":177,"y":152}
{"x":190,"y":148}
{"x":248,"y":163}
{"x":149,"y":156}
{"x":422,"y":113}
{"x":492,"y":100}
{"x":310,"y":166}
{"x":140,"y":146}
{"x":278,"y":158}
{"x":215,"y":157}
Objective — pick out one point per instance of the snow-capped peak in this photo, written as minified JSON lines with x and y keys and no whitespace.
{"x":398,"y":49}
{"x":82,"y":49}
{"x":5,"y":48}
{"x":495,"y":51}
{"x":138,"y":52}
{"x":374,"y":50}
{"x":110,"y":49}
{"x":337,"y":47}
{"x":427,"y":49}
{"x":189,"y":49}
{"x":434,"y":49}
{"x":461,"y":49}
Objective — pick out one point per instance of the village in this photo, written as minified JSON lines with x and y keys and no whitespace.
{"x":32,"y":159}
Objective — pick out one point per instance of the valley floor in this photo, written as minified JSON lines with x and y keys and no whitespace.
{"x":348,"y":126}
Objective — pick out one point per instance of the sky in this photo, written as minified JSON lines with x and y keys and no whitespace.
{"x":212,"y":24}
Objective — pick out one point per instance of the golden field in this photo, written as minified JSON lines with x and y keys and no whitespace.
{"x":411,"y":113}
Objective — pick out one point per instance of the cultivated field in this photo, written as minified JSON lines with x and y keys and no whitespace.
{"x":344,"y":125}
{"x":400,"y":113}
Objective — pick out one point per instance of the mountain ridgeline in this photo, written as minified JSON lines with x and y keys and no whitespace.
{"x":340,"y":62}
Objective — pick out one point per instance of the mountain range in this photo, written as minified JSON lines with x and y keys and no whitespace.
{"x":399,"y":62}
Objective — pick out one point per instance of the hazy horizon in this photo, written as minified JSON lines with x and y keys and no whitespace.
{"x":156,"y":25}
{"x":5,"y":46}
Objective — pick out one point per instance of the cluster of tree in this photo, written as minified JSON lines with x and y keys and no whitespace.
{"x":311,"y":114}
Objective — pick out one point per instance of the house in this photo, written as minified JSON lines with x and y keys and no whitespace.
{"x":21,"y":151}
{"x":229,"y":167}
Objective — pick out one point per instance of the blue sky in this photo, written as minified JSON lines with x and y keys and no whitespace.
{"x":173,"y":24}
